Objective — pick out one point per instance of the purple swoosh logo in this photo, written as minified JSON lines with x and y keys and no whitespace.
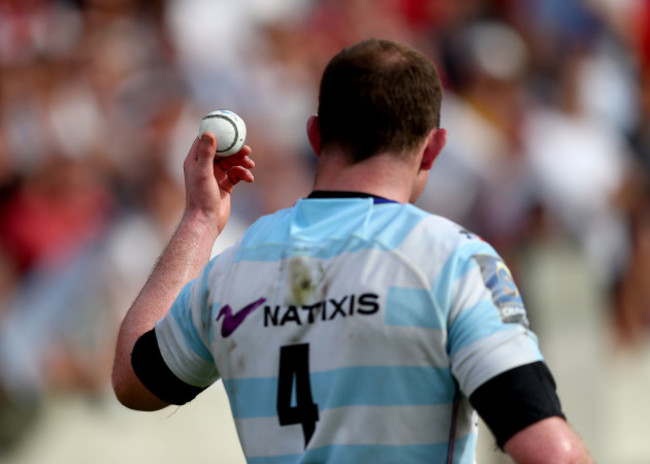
{"x":232,"y":321}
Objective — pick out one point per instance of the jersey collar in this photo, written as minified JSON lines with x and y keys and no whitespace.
{"x":344,"y":194}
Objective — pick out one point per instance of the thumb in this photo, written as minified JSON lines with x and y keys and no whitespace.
{"x":206,"y":150}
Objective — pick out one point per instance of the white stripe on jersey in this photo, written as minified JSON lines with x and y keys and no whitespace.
{"x":374,"y":269}
{"x":507,"y":349}
{"x":339,"y":355}
{"x":192,"y":370}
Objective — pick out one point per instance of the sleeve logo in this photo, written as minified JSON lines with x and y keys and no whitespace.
{"x":505,"y":295}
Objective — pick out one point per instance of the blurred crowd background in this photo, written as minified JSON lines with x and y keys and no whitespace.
{"x":548,"y":108}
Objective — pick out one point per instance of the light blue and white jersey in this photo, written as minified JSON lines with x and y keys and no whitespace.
{"x":350,"y":331}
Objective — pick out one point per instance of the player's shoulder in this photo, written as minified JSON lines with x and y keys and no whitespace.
{"x":444,"y":232}
{"x":269,"y":227}
{"x":435,"y":243}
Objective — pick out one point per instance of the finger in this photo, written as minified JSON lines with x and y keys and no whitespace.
{"x":220,"y":174}
{"x":239,"y":173}
{"x":244,"y":162}
{"x":245,"y":151}
{"x":241,"y":158}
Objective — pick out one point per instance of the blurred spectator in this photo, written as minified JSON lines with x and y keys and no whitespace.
{"x":633,"y":315}
{"x":480,"y":179}
{"x":30,"y":29}
{"x":58,"y":209}
{"x":580,"y":166}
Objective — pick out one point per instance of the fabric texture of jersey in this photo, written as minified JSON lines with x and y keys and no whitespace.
{"x":351,"y":331}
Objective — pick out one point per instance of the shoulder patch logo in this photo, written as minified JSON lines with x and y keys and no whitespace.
{"x":505,"y":294}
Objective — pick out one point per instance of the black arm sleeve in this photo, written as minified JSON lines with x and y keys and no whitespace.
{"x":515,"y":399}
{"x":149,"y":366}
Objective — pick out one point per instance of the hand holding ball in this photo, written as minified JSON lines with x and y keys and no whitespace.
{"x":229,"y":129}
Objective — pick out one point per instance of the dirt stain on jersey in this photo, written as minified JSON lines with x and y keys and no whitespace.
{"x":304,"y":278}
{"x":240,"y":365}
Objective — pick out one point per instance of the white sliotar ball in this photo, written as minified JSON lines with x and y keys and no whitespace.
{"x":229,"y":129}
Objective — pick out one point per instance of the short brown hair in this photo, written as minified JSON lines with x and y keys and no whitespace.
{"x":378,"y":95}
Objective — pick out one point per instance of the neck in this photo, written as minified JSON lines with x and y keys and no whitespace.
{"x":379,"y":175}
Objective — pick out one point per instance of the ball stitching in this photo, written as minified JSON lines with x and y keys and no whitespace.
{"x":226,"y":118}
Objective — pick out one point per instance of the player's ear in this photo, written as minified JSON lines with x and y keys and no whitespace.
{"x":313,"y":133}
{"x":434,"y":145}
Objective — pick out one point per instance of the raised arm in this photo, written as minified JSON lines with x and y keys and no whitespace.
{"x":208,"y":185}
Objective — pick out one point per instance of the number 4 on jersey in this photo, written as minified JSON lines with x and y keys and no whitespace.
{"x":294,"y":371}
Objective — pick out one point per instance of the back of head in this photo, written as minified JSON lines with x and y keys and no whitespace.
{"x":378,"y":96}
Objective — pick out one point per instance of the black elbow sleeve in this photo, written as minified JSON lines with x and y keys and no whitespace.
{"x":151,"y":369}
{"x":516,"y":399}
